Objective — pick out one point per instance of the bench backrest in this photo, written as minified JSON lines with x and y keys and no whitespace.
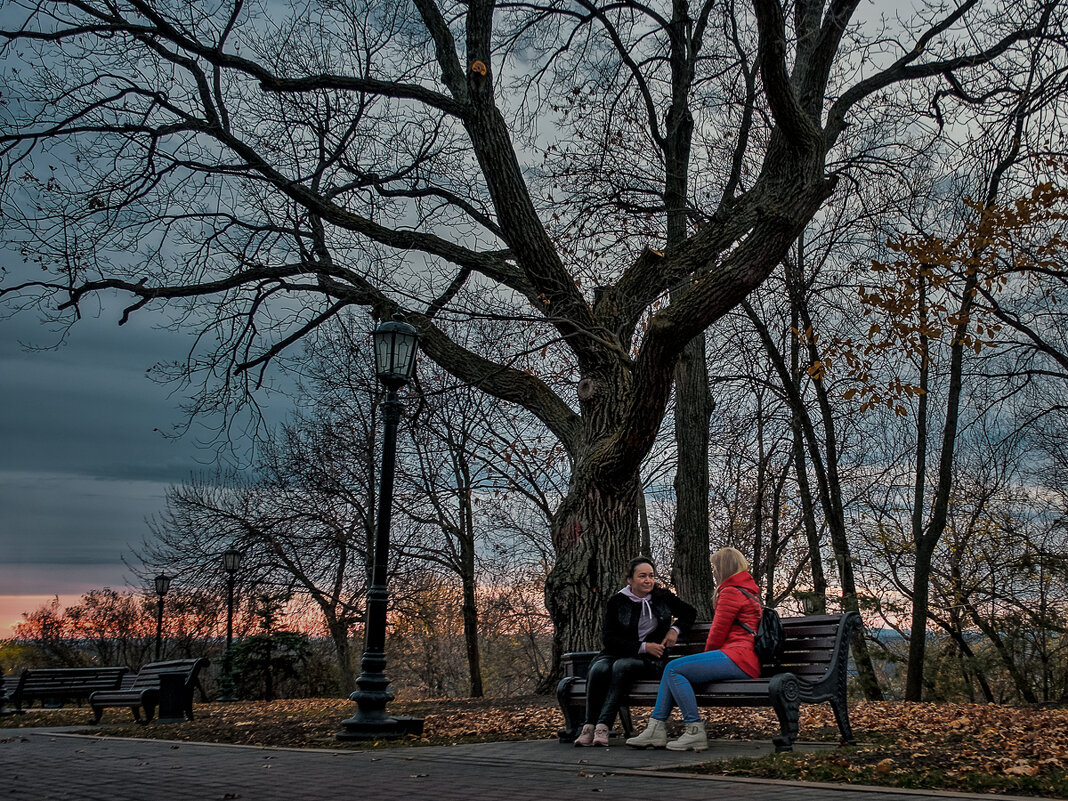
{"x":148,"y":676}
{"x":807,"y":651}
{"x":58,"y":680}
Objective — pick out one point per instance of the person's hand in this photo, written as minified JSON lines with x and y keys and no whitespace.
{"x":655,"y":649}
{"x":671,"y":638}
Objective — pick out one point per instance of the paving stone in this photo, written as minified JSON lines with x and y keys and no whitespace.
{"x":45,"y":765}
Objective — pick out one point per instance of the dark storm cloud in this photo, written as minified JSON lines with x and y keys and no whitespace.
{"x":83,"y":462}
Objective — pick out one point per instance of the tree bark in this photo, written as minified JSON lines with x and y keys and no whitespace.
{"x":691,"y":571}
{"x":595,"y":532}
{"x":825,"y":463}
{"x":927,"y":538}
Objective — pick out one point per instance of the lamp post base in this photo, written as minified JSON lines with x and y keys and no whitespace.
{"x":226,"y":688}
{"x":388,"y":728}
{"x":226,"y":683}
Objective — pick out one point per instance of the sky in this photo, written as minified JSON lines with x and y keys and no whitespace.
{"x":83,"y":460}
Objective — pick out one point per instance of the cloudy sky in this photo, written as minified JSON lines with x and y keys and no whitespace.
{"x":83,"y":461}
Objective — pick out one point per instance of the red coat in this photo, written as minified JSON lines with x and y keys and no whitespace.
{"x":726,"y":635}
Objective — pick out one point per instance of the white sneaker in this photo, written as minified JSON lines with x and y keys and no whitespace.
{"x":692,"y":739}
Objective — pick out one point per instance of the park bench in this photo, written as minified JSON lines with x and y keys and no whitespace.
{"x":177,"y":676}
{"x":6,"y":686}
{"x":813,"y":668}
{"x":53,"y":686}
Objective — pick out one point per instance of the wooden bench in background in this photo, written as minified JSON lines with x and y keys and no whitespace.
{"x":55,"y":685}
{"x":144,"y":691}
{"x":813,"y":669}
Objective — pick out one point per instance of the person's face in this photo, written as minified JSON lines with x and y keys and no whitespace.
{"x":643,"y":580}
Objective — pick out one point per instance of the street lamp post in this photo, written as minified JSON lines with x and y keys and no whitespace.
{"x":231,"y":564}
{"x":163,"y":583}
{"x":396,"y":343}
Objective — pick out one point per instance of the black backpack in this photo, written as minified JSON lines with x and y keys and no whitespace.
{"x":769,"y":636}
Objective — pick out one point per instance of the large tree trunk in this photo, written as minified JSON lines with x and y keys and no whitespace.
{"x":691,"y":570}
{"x":595,"y":532}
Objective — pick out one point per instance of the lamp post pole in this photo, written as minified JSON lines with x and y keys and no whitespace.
{"x":231,"y":564}
{"x":395,"y":347}
{"x":163,"y":583}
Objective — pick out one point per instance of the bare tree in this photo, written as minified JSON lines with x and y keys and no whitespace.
{"x":262,"y":173}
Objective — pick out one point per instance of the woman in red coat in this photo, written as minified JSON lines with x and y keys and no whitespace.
{"x":728,"y":654}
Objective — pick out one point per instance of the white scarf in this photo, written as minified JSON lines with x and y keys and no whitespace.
{"x":646,"y":620}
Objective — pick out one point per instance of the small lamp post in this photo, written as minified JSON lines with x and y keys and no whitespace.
{"x":231,"y":564}
{"x":813,"y":603}
{"x":396,"y":343}
{"x":163,"y":583}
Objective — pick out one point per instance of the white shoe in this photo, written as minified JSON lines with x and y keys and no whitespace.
{"x":654,"y":736}
{"x":692,"y":739}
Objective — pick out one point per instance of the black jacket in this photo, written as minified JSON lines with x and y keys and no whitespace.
{"x":621,"y":621}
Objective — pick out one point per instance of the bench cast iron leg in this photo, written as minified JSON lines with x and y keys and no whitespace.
{"x":785,"y":692}
{"x":841,"y":715}
{"x":572,"y":717}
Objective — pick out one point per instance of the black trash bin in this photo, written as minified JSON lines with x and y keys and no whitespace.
{"x":171,"y":698}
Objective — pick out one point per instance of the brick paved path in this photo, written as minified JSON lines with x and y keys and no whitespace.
{"x":36,"y":765}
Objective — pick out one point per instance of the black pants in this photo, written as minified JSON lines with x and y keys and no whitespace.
{"x":608,"y":681}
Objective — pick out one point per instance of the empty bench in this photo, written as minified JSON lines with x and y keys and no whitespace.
{"x":56,"y":685}
{"x":143,"y":693}
{"x":813,"y":669}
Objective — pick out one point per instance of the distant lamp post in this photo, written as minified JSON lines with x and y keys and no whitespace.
{"x":163,"y":583}
{"x":231,"y":564}
{"x":813,"y":603}
{"x":396,"y":343}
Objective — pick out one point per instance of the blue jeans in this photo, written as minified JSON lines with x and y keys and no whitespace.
{"x":676,"y":688}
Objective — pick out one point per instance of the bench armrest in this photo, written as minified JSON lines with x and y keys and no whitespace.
{"x":577,"y":663}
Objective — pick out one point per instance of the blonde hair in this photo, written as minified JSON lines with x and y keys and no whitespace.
{"x":726,"y":562}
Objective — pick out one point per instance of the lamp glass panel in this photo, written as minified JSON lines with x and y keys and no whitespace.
{"x":383,"y":352}
{"x":404,"y":354}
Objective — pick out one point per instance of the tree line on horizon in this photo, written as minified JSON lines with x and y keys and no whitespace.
{"x":685,"y":275}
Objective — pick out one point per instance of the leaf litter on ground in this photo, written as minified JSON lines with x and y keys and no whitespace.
{"x":953,"y":746}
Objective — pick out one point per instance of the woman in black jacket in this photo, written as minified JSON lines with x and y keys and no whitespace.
{"x":641,"y":623}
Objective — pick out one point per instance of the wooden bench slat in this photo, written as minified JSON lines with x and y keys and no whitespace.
{"x":61,"y":684}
